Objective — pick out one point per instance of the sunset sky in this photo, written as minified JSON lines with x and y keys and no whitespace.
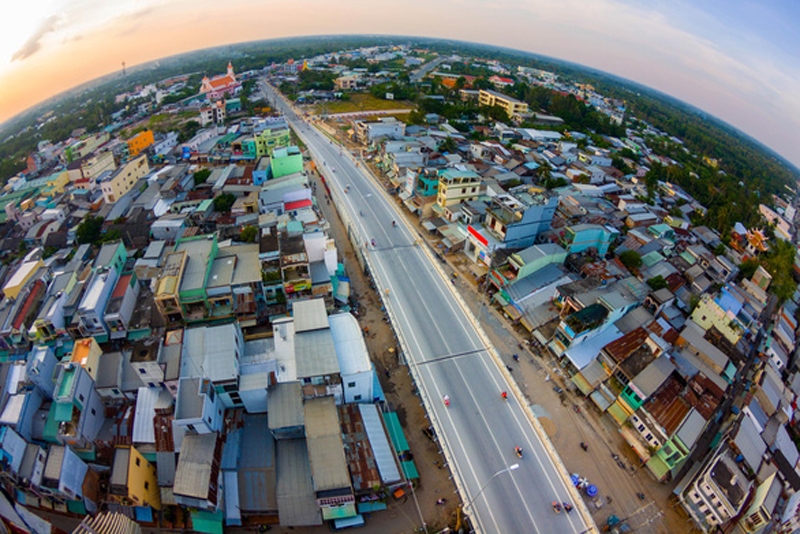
{"x":738,"y":60}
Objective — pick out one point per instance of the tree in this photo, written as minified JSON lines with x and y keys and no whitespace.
{"x":224,"y":202}
{"x":631,"y":259}
{"x":89,"y":230}
{"x":657,"y":282}
{"x":248,"y":234}
{"x":448,"y":145}
{"x":748,"y":268}
{"x":201,"y":176}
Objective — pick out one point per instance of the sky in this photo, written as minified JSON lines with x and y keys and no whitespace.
{"x":738,"y":60}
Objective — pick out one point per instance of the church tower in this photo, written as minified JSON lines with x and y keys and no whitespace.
{"x":230,"y":71}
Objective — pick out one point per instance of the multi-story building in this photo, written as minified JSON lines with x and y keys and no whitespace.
{"x":457,"y":186}
{"x":718,"y":492}
{"x":140,"y":142}
{"x":516,"y":221}
{"x":213,"y":113}
{"x":120,"y":306}
{"x":91,"y":312}
{"x":581,"y":237}
{"x":387,"y":127}
{"x":96,"y":165}
{"x":510,"y":105}
{"x":117,"y":183}
{"x":78,"y":407}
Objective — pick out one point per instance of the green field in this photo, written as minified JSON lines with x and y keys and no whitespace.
{"x":361,"y":102}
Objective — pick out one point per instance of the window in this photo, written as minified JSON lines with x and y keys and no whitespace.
{"x":80,"y":397}
{"x":357,"y":398}
{"x":351,"y":384}
{"x":94,"y":412}
{"x":146,"y":485}
{"x":115,"y":391}
{"x":142,"y":371}
{"x":138,"y":462}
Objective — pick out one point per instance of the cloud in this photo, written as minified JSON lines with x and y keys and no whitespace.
{"x":33,"y":44}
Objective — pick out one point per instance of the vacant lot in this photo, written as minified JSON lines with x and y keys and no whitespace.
{"x":362,"y":102}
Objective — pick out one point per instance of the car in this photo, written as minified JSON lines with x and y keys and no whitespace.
{"x":558,"y":390}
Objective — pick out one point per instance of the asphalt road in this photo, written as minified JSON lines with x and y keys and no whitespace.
{"x":479,"y":430}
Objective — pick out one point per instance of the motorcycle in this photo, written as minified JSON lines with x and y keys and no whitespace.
{"x":556,"y":507}
{"x":446,"y":400}
{"x":567,"y":507}
{"x":516,"y":357}
{"x":584,"y":446}
{"x":504,"y":395}
{"x":518,"y":451}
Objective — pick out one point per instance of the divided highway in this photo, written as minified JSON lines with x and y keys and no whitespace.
{"x":448,"y":356}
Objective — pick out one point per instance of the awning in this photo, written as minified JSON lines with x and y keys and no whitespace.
{"x":207,"y":522}
{"x":63,"y":412}
{"x":478,"y":269}
{"x":395,"y":432}
{"x":584,"y":386}
{"x":512,"y":312}
{"x":500,"y":299}
{"x":409,"y":469}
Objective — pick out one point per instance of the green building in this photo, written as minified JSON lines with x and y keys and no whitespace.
{"x":285,"y":161}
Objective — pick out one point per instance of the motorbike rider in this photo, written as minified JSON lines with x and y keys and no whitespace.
{"x":504,"y":395}
{"x":518,"y":450}
{"x":446,"y":399}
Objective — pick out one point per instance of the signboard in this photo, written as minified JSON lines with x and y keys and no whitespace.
{"x":389,"y":96}
{"x":477,"y":235}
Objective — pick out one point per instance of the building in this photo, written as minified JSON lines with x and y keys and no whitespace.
{"x":116,"y":184}
{"x":139,"y":142}
{"x":516,"y":221}
{"x":457,"y":186}
{"x":213,"y":113}
{"x":510,"y":105}
{"x":385,"y":127}
{"x":581,"y":237}
{"x":285,"y":161}
{"x":222,"y":86}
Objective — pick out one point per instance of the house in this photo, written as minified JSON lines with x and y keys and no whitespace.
{"x":133,"y":480}
{"x":285,"y":401}
{"x":116,"y":184}
{"x":358,"y":375}
{"x":120,"y":306}
{"x":198,"y":411}
{"x":580,"y":237}
{"x":64,"y":473}
{"x":24,"y":273}
{"x":213,"y":353}
{"x":285,"y":161}
{"x":385,"y":127}
{"x":197,"y":477}
{"x":331,"y":479}
{"x":457,"y":186}
{"x":317,"y":365}
{"x":77,"y":406}
{"x":91,"y":310}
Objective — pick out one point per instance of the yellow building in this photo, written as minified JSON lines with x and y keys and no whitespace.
{"x":143,"y":481}
{"x":97,"y":164}
{"x":139,"y":142}
{"x":115,"y":185}
{"x":20,"y":278}
{"x":86,"y":353}
{"x":708,"y":313}
{"x":57,"y":182}
{"x":510,"y":105}
{"x":456,"y":187}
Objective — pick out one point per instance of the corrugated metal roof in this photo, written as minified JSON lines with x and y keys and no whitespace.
{"x":315,"y":354}
{"x":348,"y":341}
{"x":193,"y":475}
{"x":651,"y":378}
{"x":309,"y":315}
{"x":325,"y":447}
{"x":147,"y":401}
{"x":691,"y":428}
{"x":285,"y":401}
{"x":296,"y":501}
{"x":384,"y":454}
{"x":748,"y":441}
{"x":119,"y":469}
{"x":13,"y":409}
{"x":233,"y":514}
{"x":55,"y":458}
{"x":165,"y":463}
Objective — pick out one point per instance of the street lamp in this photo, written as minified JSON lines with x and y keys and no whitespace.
{"x":511,"y":467}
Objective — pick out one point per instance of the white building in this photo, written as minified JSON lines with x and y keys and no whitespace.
{"x":358,"y":377}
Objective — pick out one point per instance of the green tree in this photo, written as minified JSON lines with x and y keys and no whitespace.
{"x":89,"y":230}
{"x":630,"y":259}
{"x":224,"y":202}
{"x":448,"y":145}
{"x":248,"y":234}
{"x":201,"y":176}
{"x":657,"y":282}
{"x":748,"y":268}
